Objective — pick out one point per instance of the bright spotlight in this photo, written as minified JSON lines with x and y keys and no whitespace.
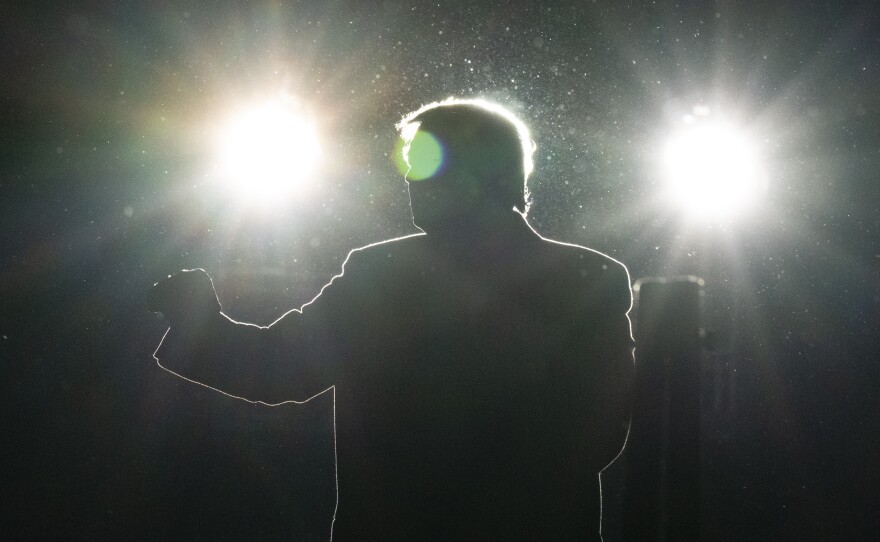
{"x":713,"y":170}
{"x":267,"y":152}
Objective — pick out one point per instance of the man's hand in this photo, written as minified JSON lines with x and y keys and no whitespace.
{"x":186,"y":298}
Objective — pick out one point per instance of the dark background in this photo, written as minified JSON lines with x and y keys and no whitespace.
{"x":103,"y":150}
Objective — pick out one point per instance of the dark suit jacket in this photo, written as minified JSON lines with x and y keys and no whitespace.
{"x":479,"y":390}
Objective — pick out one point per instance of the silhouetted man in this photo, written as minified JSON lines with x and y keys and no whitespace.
{"x":482,"y":374}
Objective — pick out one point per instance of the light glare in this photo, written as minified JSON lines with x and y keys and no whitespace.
{"x":713,"y":171}
{"x":268,"y":152}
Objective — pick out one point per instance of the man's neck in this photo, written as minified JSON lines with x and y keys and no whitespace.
{"x":484,"y":231}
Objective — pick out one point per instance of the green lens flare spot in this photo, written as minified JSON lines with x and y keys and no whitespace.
{"x":422,"y":159}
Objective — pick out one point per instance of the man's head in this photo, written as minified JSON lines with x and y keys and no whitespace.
{"x":467,"y":159}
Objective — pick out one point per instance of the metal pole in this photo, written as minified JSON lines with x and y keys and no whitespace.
{"x":662,"y":497}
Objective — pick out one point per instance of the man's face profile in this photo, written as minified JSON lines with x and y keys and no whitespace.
{"x":441,"y":193}
{"x":425,"y":155}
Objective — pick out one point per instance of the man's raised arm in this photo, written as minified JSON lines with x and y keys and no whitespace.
{"x":289,"y":360}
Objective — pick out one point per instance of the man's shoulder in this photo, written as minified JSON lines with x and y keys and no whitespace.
{"x":390,"y":245}
{"x":385,"y":250}
{"x":592,"y":270}
{"x":585,"y":258}
{"x":393,"y":243}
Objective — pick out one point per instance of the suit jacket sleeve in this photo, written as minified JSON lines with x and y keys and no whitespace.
{"x":297,"y":357}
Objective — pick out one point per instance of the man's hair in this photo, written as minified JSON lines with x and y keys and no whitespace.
{"x":481,"y":137}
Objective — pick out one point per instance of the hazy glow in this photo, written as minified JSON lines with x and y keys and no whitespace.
{"x":713,"y":170}
{"x":268,"y":152}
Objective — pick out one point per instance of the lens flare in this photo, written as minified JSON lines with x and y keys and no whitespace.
{"x":422,"y":158}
